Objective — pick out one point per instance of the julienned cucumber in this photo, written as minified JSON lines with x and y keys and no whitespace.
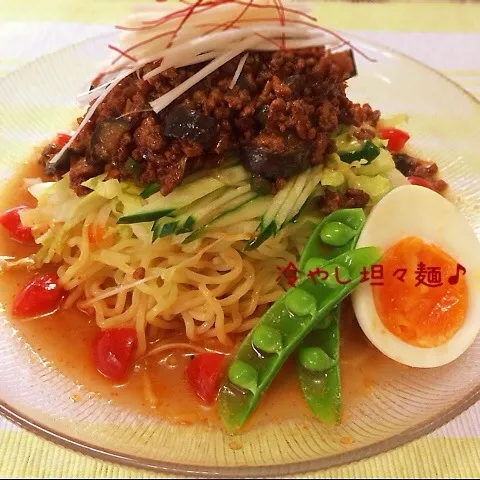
{"x":183,"y":219}
{"x":158,"y":205}
{"x":221,"y":199}
{"x":286,"y":204}
{"x":149,"y":190}
{"x":250,"y":209}
{"x":202,"y":211}
{"x":152,"y":188}
{"x":286,"y":209}
{"x":231,"y":197}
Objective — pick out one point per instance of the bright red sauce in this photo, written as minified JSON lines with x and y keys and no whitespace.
{"x":64,"y":340}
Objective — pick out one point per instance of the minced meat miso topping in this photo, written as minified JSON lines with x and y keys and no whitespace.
{"x":278,"y":118}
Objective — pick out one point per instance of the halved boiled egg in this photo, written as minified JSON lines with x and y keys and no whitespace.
{"x":421,"y":304}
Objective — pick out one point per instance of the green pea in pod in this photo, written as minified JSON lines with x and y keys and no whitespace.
{"x":336,"y":234}
{"x":315,"y":359}
{"x":267,"y":339}
{"x":243,"y":375}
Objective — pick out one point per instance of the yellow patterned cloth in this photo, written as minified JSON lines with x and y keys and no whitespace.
{"x":444,"y":35}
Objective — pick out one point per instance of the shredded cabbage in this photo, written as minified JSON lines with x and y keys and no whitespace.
{"x":333,"y":162}
{"x":372,"y":179}
{"x":40,"y":189}
{"x":56,"y":203}
{"x":393,"y":121}
{"x":60,"y":209}
{"x":377,"y":186}
{"x":332,"y":178}
{"x":345,"y":141}
{"x":382,"y":164}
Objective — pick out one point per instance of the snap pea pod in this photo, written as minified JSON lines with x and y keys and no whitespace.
{"x":321,"y":383}
{"x":321,"y":387}
{"x":321,"y":244}
{"x":293,"y":315}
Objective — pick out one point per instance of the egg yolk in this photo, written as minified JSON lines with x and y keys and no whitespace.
{"x":419,"y":301}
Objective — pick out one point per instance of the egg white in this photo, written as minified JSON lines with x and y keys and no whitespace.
{"x":412,"y":210}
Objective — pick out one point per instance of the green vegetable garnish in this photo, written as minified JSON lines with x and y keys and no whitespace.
{"x":267,"y":339}
{"x":149,"y":190}
{"x":314,"y":359}
{"x":369,"y":151}
{"x":243,"y":375}
{"x":300,"y":302}
{"x":336,"y":234}
{"x":294,"y":324}
{"x":321,"y":389}
{"x":336,"y":274}
{"x":353,"y":218}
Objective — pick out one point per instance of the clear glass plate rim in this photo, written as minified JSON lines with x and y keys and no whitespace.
{"x":363,"y":453}
{"x":337,"y":460}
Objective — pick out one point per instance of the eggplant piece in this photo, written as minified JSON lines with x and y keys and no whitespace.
{"x":354,"y":71}
{"x":185,"y":123}
{"x":261,"y":115}
{"x":133,"y":167}
{"x":244,"y":84}
{"x":296,"y":83}
{"x":61,"y":165}
{"x":106,"y":140}
{"x":404,"y":163}
{"x":260,"y":185}
{"x":272,"y":165}
{"x":346,"y":60}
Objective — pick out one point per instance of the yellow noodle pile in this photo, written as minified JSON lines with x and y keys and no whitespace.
{"x":209,"y":288}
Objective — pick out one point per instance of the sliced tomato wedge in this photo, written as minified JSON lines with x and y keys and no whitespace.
{"x":396,"y":138}
{"x":421,"y":182}
{"x":10,"y":219}
{"x":41,"y":295}
{"x":113,"y":351}
{"x":203,"y":375}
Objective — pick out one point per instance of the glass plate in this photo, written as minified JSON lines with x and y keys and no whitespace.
{"x":39,"y":99}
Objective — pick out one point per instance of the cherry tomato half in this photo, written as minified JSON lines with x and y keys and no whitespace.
{"x":62,"y":139}
{"x":10,"y":219}
{"x":112,"y":351}
{"x":421,"y":182}
{"x":203,"y":374}
{"x":396,"y":138}
{"x":42,"y":294}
